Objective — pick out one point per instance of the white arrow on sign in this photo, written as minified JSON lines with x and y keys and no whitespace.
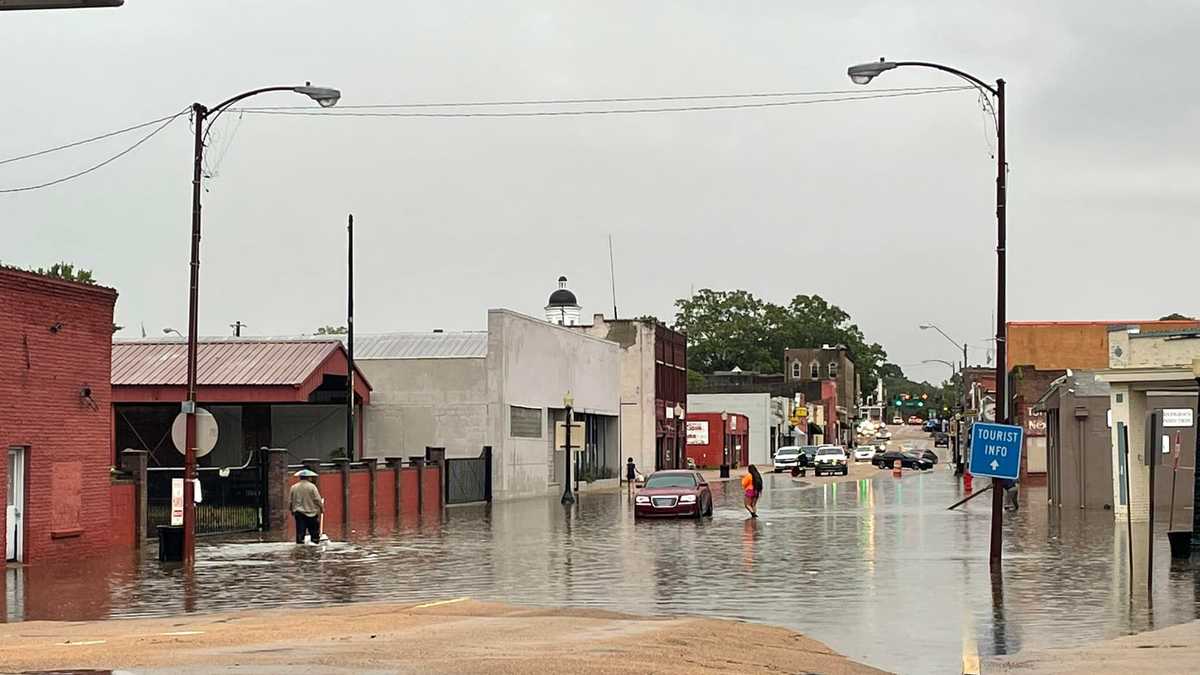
{"x":995,"y":465}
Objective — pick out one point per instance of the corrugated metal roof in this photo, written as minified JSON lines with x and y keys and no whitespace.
{"x":465,"y":345}
{"x":222,"y":363}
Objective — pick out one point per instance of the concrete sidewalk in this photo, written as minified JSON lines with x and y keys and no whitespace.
{"x":1170,"y":650}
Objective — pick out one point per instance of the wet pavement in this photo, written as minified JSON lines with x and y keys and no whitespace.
{"x":877,"y":569}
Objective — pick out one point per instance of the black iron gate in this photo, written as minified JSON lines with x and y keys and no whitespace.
{"x":231,"y":499}
{"x":469,"y":480}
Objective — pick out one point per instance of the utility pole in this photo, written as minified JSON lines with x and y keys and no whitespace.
{"x":237,"y":327}
{"x":350,"y":339}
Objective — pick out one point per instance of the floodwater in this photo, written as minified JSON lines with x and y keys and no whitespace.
{"x":878,"y":569}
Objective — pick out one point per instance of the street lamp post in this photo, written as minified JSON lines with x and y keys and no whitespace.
{"x":568,"y":496}
{"x":680,"y":441}
{"x":202,"y":114}
{"x":963,"y":346}
{"x":724,"y":444}
{"x":864,"y":73}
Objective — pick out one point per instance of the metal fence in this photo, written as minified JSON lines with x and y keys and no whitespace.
{"x":469,"y":480}
{"x":232,"y":499}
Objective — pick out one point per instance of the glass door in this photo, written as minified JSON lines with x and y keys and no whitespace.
{"x":14,"y":504}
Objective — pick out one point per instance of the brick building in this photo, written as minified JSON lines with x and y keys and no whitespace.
{"x":828,"y":362}
{"x":55,"y":424}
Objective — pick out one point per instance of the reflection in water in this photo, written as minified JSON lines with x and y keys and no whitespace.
{"x":861,"y":566}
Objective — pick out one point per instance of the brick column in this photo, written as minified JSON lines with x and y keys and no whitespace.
{"x":396,"y":464}
{"x":277,"y":489}
{"x":134,"y":462}
{"x":343,"y":466}
{"x":373,"y":475}
{"x":419,"y":462}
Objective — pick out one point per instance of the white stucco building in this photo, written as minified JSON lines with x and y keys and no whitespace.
{"x":503,"y":388}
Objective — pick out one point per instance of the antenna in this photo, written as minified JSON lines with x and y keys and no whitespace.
{"x":612,"y":275}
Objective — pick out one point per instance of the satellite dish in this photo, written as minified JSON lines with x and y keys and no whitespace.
{"x":206,"y":432}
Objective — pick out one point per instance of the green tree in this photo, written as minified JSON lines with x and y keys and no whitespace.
{"x":331,"y":330}
{"x":726,"y":329}
{"x":1176,"y":316}
{"x":67,"y":271}
{"x":734,"y":328}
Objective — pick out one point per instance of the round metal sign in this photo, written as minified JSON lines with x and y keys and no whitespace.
{"x":206,"y":432}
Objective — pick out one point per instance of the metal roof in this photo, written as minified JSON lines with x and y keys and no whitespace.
{"x":219,"y":363}
{"x":464,"y":345}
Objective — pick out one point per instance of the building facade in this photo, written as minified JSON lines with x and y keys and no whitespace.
{"x":653,"y":389}
{"x":1079,"y":453}
{"x":55,"y":422}
{"x":504,"y":388}
{"x":828,"y":362}
{"x":713,"y":440}
{"x":756,"y":407}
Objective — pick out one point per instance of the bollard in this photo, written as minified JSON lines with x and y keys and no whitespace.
{"x":967,"y":481}
{"x":896,"y":468}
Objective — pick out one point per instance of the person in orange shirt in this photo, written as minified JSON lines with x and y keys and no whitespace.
{"x":752,"y":487}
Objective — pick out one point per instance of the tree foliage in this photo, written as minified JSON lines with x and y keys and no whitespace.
{"x":728,"y":329}
{"x":331,"y":330}
{"x":67,"y":271}
{"x":1176,"y":316}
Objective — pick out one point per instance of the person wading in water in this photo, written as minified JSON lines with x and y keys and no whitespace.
{"x":752,"y":484}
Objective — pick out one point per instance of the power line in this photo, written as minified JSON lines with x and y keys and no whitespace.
{"x":626,"y":99}
{"x":608,"y":111}
{"x":85,"y":141}
{"x":106,"y":162}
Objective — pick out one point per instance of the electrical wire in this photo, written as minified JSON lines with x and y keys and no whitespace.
{"x":85,"y":141}
{"x":608,"y":111}
{"x":625,"y":99}
{"x":94,"y":167}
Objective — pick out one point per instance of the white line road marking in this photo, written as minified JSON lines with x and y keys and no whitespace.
{"x":81,"y":643}
{"x":182,"y":632}
{"x":441,"y":602}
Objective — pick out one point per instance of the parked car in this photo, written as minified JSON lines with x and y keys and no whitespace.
{"x":673,"y":493}
{"x":941,"y":440}
{"x":864,"y":453}
{"x":914,"y":420}
{"x":927,"y":454}
{"x":908,"y":460}
{"x":897,"y":420}
{"x":831,"y":459}
{"x":788,"y":457}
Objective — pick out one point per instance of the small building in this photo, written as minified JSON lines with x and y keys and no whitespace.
{"x":713,"y":440}
{"x":55,"y":426}
{"x":1078,"y":441}
{"x":1154,"y":372}
{"x":563,"y":308}
{"x":503,"y":389}
{"x":654,"y":389}
{"x":756,"y":407}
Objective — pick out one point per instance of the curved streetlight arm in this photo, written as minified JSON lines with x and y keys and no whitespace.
{"x":952,"y":340}
{"x":953,"y":71}
{"x":244,"y":95}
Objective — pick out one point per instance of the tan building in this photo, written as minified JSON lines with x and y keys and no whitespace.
{"x":827,"y":362}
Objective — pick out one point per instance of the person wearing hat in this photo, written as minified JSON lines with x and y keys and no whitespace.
{"x":307,"y":506}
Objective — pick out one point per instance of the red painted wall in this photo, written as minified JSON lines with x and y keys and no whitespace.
{"x":385,"y":494}
{"x":55,"y":340}
{"x":433,"y":489}
{"x":408,"y":491}
{"x":360,"y":496}
{"x":124,"y":514}
{"x":330,"y":485}
{"x":710,"y":455}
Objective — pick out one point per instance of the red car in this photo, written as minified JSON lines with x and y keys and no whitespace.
{"x":673,"y":493}
{"x":915,"y":420}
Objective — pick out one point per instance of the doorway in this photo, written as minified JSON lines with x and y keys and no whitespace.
{"x":15,"y":505}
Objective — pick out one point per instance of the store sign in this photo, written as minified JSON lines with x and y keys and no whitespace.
{"x":697,"y":433}
{"x":176,"y":501}
{"x":1034,"y":422}
{"x":1177,"y":417}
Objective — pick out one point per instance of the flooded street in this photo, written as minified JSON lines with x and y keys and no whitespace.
{"x":877,"y":569}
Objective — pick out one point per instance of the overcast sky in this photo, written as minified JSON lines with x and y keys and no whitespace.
{"x":883,"y":207}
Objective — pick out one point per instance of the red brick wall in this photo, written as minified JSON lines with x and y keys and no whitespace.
{"x":408,"y":490}
{"x":360,"y":496}
{"x":433,"y":489}
{"x":385,"y":494}
{"x":56,"y":339}
{"x":330,"y":485}
{"x":124,"y":513}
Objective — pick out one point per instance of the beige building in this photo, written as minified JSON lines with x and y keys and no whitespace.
{"x":1151,"y":372}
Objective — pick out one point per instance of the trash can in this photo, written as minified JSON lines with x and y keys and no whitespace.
{"x":1181,"y":544}
{"x":170,"y":543}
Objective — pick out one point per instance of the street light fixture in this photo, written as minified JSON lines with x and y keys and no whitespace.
{"x":203,"y":118}
{"x":864,"y":73}
{"x":168,"y":331}
{"x":568,"y":496}
{"x":953,"y":369}
{"x":963,"y":346}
